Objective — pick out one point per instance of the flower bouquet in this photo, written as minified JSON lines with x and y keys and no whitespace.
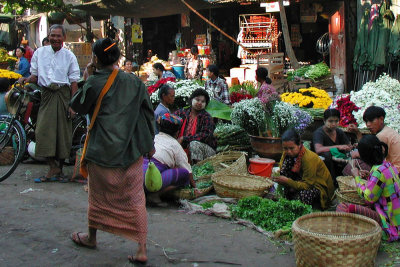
{"x":346,"y":108}
{"x":385,"y":93}
{"x":308,"y":98}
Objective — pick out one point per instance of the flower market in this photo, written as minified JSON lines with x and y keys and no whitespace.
{"x":209,"y":132}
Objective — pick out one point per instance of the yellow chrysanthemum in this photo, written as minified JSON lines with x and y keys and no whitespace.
{"x":307,"y":97}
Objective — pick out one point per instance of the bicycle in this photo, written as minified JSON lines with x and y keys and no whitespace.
{"x":17,"y":130}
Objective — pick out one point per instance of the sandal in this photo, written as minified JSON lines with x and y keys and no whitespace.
{"x":62,"y":179}
{"x":44,"y":179}
{"x":75,"y":237}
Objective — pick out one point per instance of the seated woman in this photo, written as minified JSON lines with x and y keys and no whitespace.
{"x":160,"y":72}
{"x":22,"y":66}
{"x":197,"y":132}
{"x":166,"y":94}
{"x":381,"y":188}
{"x":170,"y":159}
{"x":267,"y":92}
{"x":303,"y":174}
{"x":329,"y":136}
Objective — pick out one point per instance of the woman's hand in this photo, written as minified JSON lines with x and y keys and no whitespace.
{"x":364,"y":174}
{"x":344,"y":147}
{"x":280,"y":179}
{"x":355,"y":172}
{"x":352,"y":128}
{"x":355,"y":154}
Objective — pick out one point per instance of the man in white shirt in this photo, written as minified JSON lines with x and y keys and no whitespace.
{"x":56,"y":70}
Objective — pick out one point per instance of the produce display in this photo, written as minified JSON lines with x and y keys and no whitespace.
{"x":309,"y":98}
{"x":312,"y":72}
{"x":231,"y":136}
{"x":205,"y":169}
{"x":5,"y":57}
{"x":9,"y":74}
{"x":246,"y":90}
{"x":148,"y":66}
{"x":269,"y":214}
{"x":385,"y":93}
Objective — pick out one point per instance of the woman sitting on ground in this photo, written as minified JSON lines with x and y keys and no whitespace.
{"x":381,"y":188}
{"x":197,"y":131}
{"x":170,"y":158}
{"x":328,"y":137}
{"x":303,"y":174}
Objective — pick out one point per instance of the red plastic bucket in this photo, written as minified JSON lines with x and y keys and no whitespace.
{"x":261,"y":166}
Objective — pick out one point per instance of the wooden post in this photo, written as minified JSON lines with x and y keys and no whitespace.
{"x":286,"y":36}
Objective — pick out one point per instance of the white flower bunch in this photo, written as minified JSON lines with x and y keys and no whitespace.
{"x":284,"y":115}
{"x":250,"y":115}
{"x":183,"y":90}
{"x":385,"y":93}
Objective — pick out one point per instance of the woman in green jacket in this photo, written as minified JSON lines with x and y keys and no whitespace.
{"x":303,"y":174}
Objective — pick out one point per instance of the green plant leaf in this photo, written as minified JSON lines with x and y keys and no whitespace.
{"x":219,"y":110}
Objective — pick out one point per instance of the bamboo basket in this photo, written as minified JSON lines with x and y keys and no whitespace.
{"x":239,"y":185}
{"x":7,"y":156}
{"x":346,"y":183}
{"x":224,"y":160}
{"x":238,"y":166}
{"x":188,"y":193}
{"x":350,"y":196}
{"x":335,"y":239}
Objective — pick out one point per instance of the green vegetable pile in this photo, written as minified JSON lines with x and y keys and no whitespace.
{"x":231,"y":137}
{"x":209,"y":204}
{"x":268,"y":214}
{"x":312,"y":72}
{"x":315,"y":112}
{"x":202,"y":185}
{"x":205,"y":169}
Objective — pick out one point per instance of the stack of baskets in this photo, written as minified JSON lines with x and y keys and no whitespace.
{"x":231,"y":160}
{"x":235,"y":182}
{"x":347,"y":191}
{"x":335,"y":239}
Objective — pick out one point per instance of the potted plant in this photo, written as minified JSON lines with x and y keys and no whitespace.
{"x":265,"y":120}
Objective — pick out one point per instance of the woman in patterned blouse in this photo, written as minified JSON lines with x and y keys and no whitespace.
{"x":194,"y":65}
{"x":381,"y":189}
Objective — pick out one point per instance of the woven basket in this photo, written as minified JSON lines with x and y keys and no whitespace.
{"x":188,"y":193}
{"x":335,"y":239}
{"x":239,"y":185}
{"x":7,"y":156}
{"x":350,"y":196}
{"x":222,"y":160}
{"x":346,"y":183}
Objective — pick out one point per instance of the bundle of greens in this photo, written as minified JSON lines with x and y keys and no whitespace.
{"x":231,"y":136}
{"x":312,"y":72}
{"x":315,"y":112}
{"x":268,"y":214}
{"x":202,"y":170}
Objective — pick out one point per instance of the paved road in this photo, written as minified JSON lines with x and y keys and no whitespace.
{"x":35,"y":229}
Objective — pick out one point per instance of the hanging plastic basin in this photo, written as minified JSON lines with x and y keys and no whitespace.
{"x":261,"y":166}
{"x":178,"y":71}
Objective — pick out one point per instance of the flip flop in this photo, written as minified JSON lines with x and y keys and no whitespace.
{"x":133,"y":260}
{"x":77,"y":240}
{"x":44,"y":179}
{"x":62,"y":179}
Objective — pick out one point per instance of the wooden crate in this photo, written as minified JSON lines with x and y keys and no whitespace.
{"x":326,"y":83}
{"x":272,"y":62}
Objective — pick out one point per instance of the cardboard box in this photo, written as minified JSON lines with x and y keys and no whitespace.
{"x":238,"y":73}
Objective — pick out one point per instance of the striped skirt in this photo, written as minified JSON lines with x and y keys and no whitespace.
{"x":117,"y":202}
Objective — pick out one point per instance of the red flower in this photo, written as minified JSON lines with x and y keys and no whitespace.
{"x":151,"y":89}
{"x":346,"y":108}
{"x":237,"y":97}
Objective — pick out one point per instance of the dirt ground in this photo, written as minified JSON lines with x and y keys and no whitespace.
{"x":35,"y":229}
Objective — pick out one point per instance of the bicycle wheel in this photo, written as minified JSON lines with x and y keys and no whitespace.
{"x":79,"y":130}
{"x":12,"y":145}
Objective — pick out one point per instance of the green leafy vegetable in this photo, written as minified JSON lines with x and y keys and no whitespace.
{"x":209,"y":204}
{"x":205,"y":169}
{"x":219,"y":110}
{"x":268,"y":214}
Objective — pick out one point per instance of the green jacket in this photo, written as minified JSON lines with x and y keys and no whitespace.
{"x":124,"y":127}
{"x":314,"y":173}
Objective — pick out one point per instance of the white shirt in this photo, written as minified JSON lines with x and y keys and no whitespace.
{"x":59,"y":67}
{"x":170,"y":152}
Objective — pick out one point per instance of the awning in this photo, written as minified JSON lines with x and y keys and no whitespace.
{"x":141,"y":8}
{"x":6,"y":18}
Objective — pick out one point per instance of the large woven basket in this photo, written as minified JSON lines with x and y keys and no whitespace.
{"x":223,"y":160}
{"x":335,"y":239}
{"x":239,"y":185}
{"x":346,"y":183}
{"x":350,"y":196}
{"x":7,"y":156}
